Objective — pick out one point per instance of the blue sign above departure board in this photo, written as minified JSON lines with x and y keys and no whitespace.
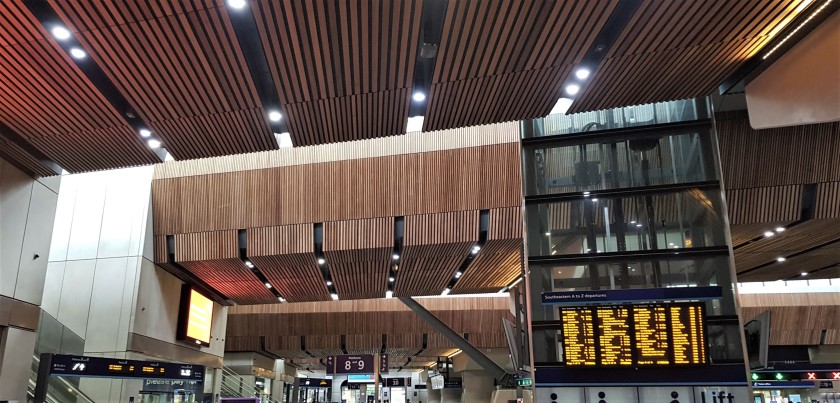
{"x":631,"y":295}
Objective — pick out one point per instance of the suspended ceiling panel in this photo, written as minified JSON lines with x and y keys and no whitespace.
{"x":181,"y":68}
{"x":681,"y":49}
{"x":343,"y":70}
{"x":48,"y":101}
{"x":506,"y":60}
{"x":499,"y":262}
{"x":359,"y":255}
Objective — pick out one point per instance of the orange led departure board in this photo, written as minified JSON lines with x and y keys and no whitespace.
{"x":627,"y":335}
{"x":195,"y":317}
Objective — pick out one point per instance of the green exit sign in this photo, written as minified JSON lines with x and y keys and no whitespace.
{"x":524,"y":382}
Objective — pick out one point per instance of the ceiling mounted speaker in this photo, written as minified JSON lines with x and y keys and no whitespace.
{"x":428,"y":50}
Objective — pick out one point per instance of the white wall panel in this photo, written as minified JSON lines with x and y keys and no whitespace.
{"x":105,"y":305}
{"x":75,"y":295}
{"x":129,"y":300}
{"x":32,"y":271}
{"x":52,"y":288}
{"x":559,"y":395}
{"x":86,"y":225}
{"x":666,"y":394}
{"x":61,"y":226}
{"x":16,"y":351}
{"x":15,"y":192}
{"x":119,"y":212}
{"x":611,"y":395}
{"x":156,"y":313}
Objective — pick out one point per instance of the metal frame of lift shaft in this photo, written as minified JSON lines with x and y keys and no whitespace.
{"x":504,"y":378}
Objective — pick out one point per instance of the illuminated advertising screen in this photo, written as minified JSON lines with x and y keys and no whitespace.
{"x":195,"y":317}
{"x":634,"y":335}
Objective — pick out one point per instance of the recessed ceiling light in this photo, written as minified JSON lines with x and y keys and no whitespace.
{"x":639,"y":225}
{"x":78,"y":53}
{"x":248,"y":263}
{"x":60,"y":33}
{"x":586,"y":193}
{"x":389,"y":294}
{"x":445,"y":291}
{"x":275,"y":116}
{"x":780,"y":259}
{"x":633,"y":222}
{"x":321,"y":260}
{"x":595,"y":199}
{"x":153,"y":143}
{"x":329,"y":283}
{"x":458,"y":274}
{"x":768,"y":233}
{"x":237,"y":4}
{"x":582,"y":74}
{"x":572,"y":89}
{"x":281,"y":299}
{"x":396,"y":256}
{"x":284,"y":140}
{"x":145,"y":133}
{"x":561,"y":107}
{"x":804,"y":274}
{"x":419,"y":96}
{"x":334,"y":297}
{"x":547,"y":234}
{"x":780,"y":229}
{"x":267,"y":285}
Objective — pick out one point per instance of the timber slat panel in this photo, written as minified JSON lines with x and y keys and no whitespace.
{"x":49,"y":101}
{"x":675,"y":50}
{"x":499,"y":262}
{"x":179,"y":65}
{"x":506,"y":60}
{"x":343,"y":70}
{"x":286,"y":256}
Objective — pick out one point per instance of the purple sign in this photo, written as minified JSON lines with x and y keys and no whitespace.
{"x":354,"y":364}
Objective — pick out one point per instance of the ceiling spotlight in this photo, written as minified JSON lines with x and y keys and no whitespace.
{"x":458,"y":274}
{"x":153,"y":143}
{"x":419,"y":96}
{"x":780,"y":259}
{"x":390,"y":279}
{"x":445,"y":291}
{"x":595,"y":199}
{"x":237,"y":4}
{"x":582,"y":74}
{"x":586,"y":193}
{"x":321,"y":260}
{"x":396,"y":256}
{"x":547,"y":234}
{"x":572,"y":89}
{"x":145,"y":133}
{"x":60,"y":33}
{"x":633,"y":222}
{"x":804,"y":274}
{"x":769,"y":233}
{"x":780,"y":229}
{"x":78,"y":53}
{"x":329,"y":283}
{"x":334,"y":296}
{"x":267,"y":285}
{"x":249,"y":264}
{"x":389,"y":294}
{"x":275,"y":116}
{"x":639,"y":225}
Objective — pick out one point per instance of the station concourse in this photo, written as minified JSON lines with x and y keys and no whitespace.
{"x":420,"y":201}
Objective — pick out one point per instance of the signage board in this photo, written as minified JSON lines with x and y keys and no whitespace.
{"x":81,"y":366}
{"x":315,"y":383}
{"x":453,"y":383}
{"x":826,"y":385}
{"x":383,"y":363}
{"x":782,"y":385}
{"x":354,"y":364}
{"x":396,"y":382}
{"x":195,"y":317}
{"x":368,"y":378}
{"x":632,"y":295}
{"x":420,"y":386}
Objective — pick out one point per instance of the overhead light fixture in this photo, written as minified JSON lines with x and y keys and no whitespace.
{"x":329,"y":283}
{"x":78,"y":53}
{"x":281,"y":299}
{"x":284,"y":140}
{"x":780,"y":229}
{"x":458,"y":274}
{"x":389,"y":294}
{"x":419,"y":96}
{"x":784,"y":23}
{"x":267,"y":285}
{"x":396,"y":256}
{"x":60,"y":33}
{"x":237,"y":4}
{"x":586,"y":193}
{"x":804,"y":274}
{"x":321,"y":260}
{"x":275,"y":116}
{"x":547,"y":234}
{"x":249,"y":264}
{"x":445,"y":291}
{"x":633,"y":222}
{"x":780,"y":259}
{"x":475,"y":250}
{"x":582,"y":74}
{"x":145,"y":133}
{"x":414,"y":124}
{"x":768,"y":234}
{"x":334,"y":296}
{"x":391,"y":279}
{"x":595,"y":199}
{"x":639,"y":225}
{"x":572,"y":89}
{"x":153,"y":143}
{"x":561,"y":107}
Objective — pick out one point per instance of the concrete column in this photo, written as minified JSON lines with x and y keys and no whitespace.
{"x":478,"y":387}
{"x":434,"y":396}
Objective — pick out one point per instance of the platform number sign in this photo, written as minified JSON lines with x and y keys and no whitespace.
{"x":383,"y":363}
{"x":353,"y":364}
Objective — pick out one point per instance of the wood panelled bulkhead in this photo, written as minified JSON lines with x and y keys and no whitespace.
{"x":797,"y":319}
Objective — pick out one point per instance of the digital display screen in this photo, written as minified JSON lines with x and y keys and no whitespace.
{"x":72,"y":365}
{"x":641,"y":335}
{"x":195,"y":317}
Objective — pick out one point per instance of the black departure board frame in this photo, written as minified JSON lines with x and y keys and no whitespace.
{"x":595,"y":353}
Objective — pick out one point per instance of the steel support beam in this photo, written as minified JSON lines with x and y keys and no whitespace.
{"x":503,"y":377}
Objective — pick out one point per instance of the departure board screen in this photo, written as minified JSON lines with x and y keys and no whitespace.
{"x":627,"y":335}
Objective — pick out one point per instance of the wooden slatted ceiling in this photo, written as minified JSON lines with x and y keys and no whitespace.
{"x":434,"y":246}
{"x":499,"y":262}
{"x":180,"y":66}
{"x":471,"y":178}
{"x":359,"y":253}
{"x":49,"y":101}
{"x":343,"y":70}
{"x":286,"y":256}
{"x":676,"y":49}
{"x":17,"y":156}
{"x":506,"y":60}
{"x":213,"y":257}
